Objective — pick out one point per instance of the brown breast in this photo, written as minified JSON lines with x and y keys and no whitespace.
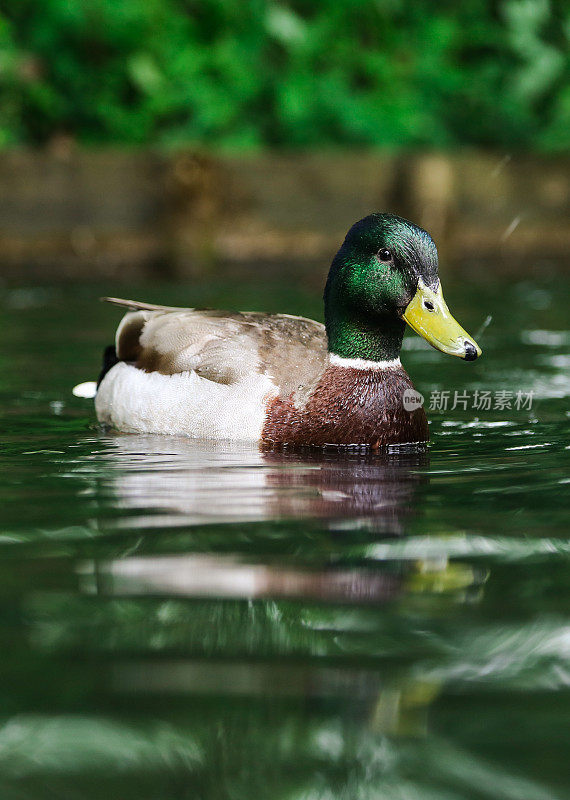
{"x":349,"y":407}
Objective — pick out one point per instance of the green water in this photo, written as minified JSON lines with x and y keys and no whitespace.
{"x":182,"y":619}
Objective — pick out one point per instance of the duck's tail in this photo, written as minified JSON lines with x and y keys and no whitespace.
{"x":109,"y":361}
{"x":88,"y":389}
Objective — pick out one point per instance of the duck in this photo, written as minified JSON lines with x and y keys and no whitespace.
{"x":282,"y":380}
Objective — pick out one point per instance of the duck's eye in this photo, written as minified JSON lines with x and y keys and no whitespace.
{"x":384,"y":255}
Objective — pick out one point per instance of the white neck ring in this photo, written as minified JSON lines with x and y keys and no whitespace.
{"x":363,"y":363}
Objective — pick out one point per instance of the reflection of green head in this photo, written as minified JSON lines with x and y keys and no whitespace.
{"x":372,"y":279}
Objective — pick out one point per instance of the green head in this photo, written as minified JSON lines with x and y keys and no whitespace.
{"x":384,"y":275}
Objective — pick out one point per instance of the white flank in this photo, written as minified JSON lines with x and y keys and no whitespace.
{"x":362,"y":363}
{"x":147,"y":402}
{"x":87,"y":389}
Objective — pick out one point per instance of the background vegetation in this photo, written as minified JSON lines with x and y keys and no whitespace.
{"x":251,"y":73}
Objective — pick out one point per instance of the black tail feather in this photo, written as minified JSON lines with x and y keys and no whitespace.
{"x":109,"y":361}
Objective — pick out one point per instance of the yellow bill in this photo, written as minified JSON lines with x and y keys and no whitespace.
{"x":428,"y":314}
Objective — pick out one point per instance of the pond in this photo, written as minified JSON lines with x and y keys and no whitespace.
{"x":182,"y":619}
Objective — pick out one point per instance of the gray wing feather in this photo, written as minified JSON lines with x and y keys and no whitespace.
{"x":136,"y":305}
{"x":224,"y":347}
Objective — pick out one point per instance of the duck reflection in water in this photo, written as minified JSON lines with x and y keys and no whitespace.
{"x":184,"y":481}
{"x":180,"y":482}
{"x":328,"y":508}
{"x":379,"y":491}
{"x":294,"y":577}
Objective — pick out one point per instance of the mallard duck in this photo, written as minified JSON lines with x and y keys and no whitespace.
{"x":286,"y":380}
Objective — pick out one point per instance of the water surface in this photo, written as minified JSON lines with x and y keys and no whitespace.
{"x":185,"y":619}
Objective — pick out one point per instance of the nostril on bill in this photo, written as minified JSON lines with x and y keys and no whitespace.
{"x":470,"y":351}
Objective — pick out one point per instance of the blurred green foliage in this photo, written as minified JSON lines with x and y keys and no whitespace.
{"x":250,"y":73}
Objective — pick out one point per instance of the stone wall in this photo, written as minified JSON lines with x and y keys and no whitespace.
{"x":112,"y":213}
